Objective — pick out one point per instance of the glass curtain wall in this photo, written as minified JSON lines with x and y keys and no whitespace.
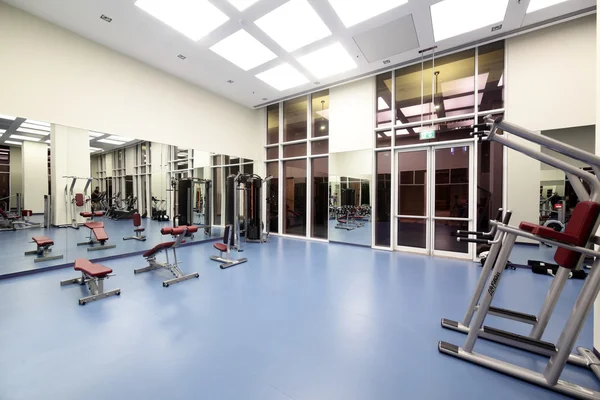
{"x":296,"y":150}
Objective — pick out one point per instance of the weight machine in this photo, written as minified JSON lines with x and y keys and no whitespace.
{"x":75,"y":200}
{"x":185,"y":194}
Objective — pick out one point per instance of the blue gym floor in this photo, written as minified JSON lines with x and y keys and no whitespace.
{"x":16,"y":243}
{"x":300,"y":320}
{"x":360,"y":236}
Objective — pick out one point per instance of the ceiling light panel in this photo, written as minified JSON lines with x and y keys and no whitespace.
{"x":283,"y":77}
{"x":241,"y":5}
{"x":2,"y":130}
{"x":108,"y":141}
{"x":121,"y":138}
{"x":535,"y":5}
{"x":192,"y":18}
{"x":293,"y":25}
{"x":34,"y":126}
{"x":7,"y":117}
{"x":451,"y":18}
{"x":95,"y":134}
{"x":21,"y":137}
{"x":34,"y":122}
{"x":11,"y":142}
{"x":328,"y":61}
{"x":243,"y":50}
{"x":32,"y":131}
{"x":355,"y":12}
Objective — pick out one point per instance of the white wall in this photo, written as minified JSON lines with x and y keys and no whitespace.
{"x":351,"y":116}
{"x":16,"y":174}
{"x":83,"y":84}
{"x":550,"y":81}
{"x":130,"y":161}
{"x":70,"y":157}
{"x":158,"y":169}
{"x":34,"y":158}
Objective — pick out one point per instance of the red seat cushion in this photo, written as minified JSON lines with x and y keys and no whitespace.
{"x":220,"y":246}
{"x":549,"y":233}
{"x":580,"y":226}
{"x":159,"y":247}
{"x":100,"y":234}
{"x":94,"y":225}
{"x":86,"y":214}
{"x":139,"y":229}
{"x":42,"y":240}
{"x":527,"y":226}
{"x":95,"y":270}
{"x":98,"y":213}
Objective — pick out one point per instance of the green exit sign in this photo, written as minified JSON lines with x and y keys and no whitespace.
{"x":427,"y":135}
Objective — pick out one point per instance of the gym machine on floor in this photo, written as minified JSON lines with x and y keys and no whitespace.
{"x":576,"y":241}
{"x":193,"y":197}
{"x":10,"y":221}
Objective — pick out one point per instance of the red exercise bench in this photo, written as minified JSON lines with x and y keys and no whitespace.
{"x":180,"y":232}
{"x":93,"y":275}
{"x":43,"y":248}
{"x":97,"y":233}
{"x":137,"y":223}
{"x":225,"y":247}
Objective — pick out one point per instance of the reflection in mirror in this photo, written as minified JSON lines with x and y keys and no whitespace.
{"x":350,"y":197}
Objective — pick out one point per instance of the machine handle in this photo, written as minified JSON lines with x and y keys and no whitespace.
{"x":499,"y":214}
{"x":507,"y":217}
{"x":469,"y":240}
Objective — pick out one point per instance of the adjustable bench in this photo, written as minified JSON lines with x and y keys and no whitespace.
{"x":97,"y":233}
{"x":225,"y":247}
{"x":150,"y":256}
{"x":93,"y":275}
{"x":137,"y":223}
{"x":43,"y":248}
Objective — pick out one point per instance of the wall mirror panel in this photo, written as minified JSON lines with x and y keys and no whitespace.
{"x":350,"y":175}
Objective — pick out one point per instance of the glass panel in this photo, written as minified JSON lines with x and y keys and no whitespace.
{"x":453,"y":130}
{"x":453,"y":88}
{"x":217,"y":194}
{"x":294,"y":119}
{"x":383,"y":139}
{"x":273,"y":124}
{"x":412,"y":232}
{"x":294,"y":150}
{"x":384,"y":99}
{"x":320,"y":189}
{"x":445,"y":236}
{"x":294,"y":192}
{"x":273,"y":153}
{"x":273,"y":196}
{"x":412,"y":187}
{"x":489,"y":183}
{"x":383,"y":198}
{"x":491,"y":76}
{"x":320,"y":113}
{"x":319,"y":147}
{"x":451,"y":182}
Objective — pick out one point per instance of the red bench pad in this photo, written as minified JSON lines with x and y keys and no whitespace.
{"x":549,"y":233}
{"x":98,"y":213}
{"x":95,"y":270}
{"x":43,"y":240}
{"x":100,"y":234}
{"x":139,"y":229}
{"x":582,"y":222}
{"x":94,"y":225}
{"x":527,"y":226}
{"x":159,"y":247}
{"x":86,"y":214}
{"x":220,"y":246}
{"x":179,"y":230}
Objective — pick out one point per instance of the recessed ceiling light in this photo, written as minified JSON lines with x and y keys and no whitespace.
{"x":455,"y":17}
{"x":6,"y":117}
{"x":105,"y":18}
{"x":241,"y":5}
{"x":34,"y":126}
{"x":11,"y":142}
{"x":121,"y":138}
{"x":2,"y":130}
{"x":32,"y":131}
{"x":95,"y":134}
{"x":108,"y":141}
{"x":243,"y":50}
{"x":293,"y":25}
{"x":95,"y":149}
{"x":21,"y":137}
{"x":192,"y":18}
{"x":354,"y":12}
{"x":328,"y":61}
{"x":283,"y":77}
{"x":33,"y":121}
{"x":535,"y":5}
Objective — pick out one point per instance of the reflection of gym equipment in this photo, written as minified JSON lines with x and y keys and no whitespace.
{"x":159,"y":209}
{"x":73,"y":200}
{"x":268,"y":205}
{"x":126,"y":210}
{"x":348,"y":197}
{"x":552,"y":212}
{"x":43,"y":244}
{"x":184,"y":193}
{"x":343,"y":222}
{"x":225,"y":247}
{"x":137,"y":223}
{"x":97,"y":233}
{"x":16,"y":221}
{"x":93,"y":275}
{"x":572,"y":245}
{"x":180,"y":232}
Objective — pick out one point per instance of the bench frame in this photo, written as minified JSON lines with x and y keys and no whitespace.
{"x":95,"y":285}
{"x":42,"y":253}
{"x":227,"y":261}
{"x":92,"y":241}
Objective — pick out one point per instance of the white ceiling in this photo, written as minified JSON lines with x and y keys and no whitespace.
{"x":141,"y":36}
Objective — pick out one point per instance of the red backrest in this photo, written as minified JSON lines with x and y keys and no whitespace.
{"x":79,"y":200}
{"x":166,"y":231}
{"x":26,"y":213}
{"x":137,"y":219}
{"x":582,"y":222}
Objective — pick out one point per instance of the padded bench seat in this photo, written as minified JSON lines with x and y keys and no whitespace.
{"x":96,"y":270}
{"x":220,"y":246}
{"x":42,"y":241}
{"x":87,"y":214}
{"x":159,"y":247}
{"x":94,"y":225}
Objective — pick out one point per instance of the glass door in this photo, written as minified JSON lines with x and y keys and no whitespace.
{"x":434,"y":188}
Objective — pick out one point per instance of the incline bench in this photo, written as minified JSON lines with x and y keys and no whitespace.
{"x":97,"y":232}
{"x":150,"y":255}
{"x":43,"y":248}
{"x":93,"y":275}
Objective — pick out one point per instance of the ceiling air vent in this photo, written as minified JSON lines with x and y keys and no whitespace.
{"x":181,"y":56}
{"x":496,"y":28}
{"x":105,"y":18}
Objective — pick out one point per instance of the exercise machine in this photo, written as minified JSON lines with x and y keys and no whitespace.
{"x":225,"y":247}
{"x":75,"y":202}
{"x":159,"y":209}
{"x":137,"y":223}
{"x":576,"y":241}
{"x":180,"y":233}
{"x":93,"y":275}
{"x":43,"y":244}
{"x":186,"y":192}
{"x":268,"y":204}
{"x":250,"y":224}
{"x":124,"y":209}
